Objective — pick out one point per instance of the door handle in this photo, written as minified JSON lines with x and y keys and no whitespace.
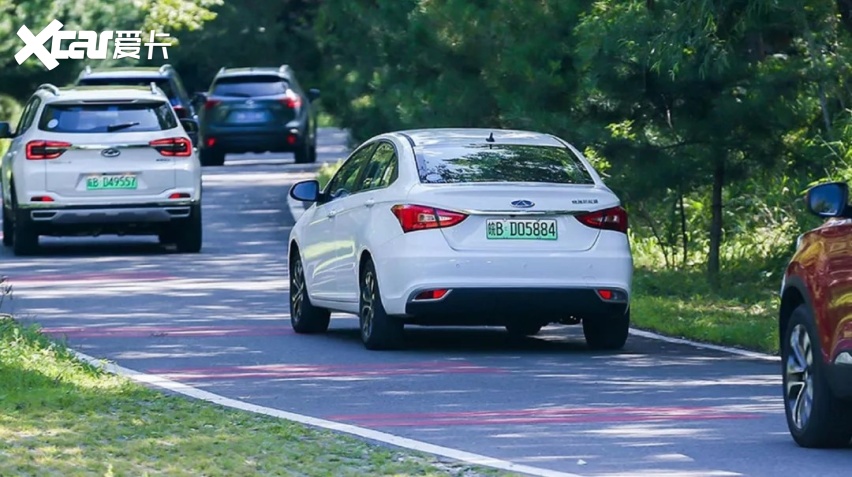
{"x":370,"y":202}
{"x":331,"y":213}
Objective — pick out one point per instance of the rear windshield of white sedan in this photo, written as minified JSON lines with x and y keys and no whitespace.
{"x":106,"y":117}
{"x":500,"y":163}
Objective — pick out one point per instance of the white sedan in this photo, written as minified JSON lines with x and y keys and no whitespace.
{"x":462,"y":227}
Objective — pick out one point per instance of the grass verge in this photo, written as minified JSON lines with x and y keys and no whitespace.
{"x":678,"y":303}
{"x":59,"y":416}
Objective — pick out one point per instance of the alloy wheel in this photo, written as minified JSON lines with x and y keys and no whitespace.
{"x":799,"y":374}
{"x":368,"y":299}
{"x":297,"y":290}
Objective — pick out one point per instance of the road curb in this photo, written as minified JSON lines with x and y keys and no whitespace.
{"x":383,"y":437}
{"x":696,"y":344}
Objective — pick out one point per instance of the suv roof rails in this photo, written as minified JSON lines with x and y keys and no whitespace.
{"x":221,"y":70}
{"x":154,"y":88}
{"x":166,"y":67}
{"x":53,"y":89}
{"x":284,"y":69}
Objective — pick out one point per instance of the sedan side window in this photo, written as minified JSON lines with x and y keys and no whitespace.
{"x":345,"y":181}
{"x":383,"y":158}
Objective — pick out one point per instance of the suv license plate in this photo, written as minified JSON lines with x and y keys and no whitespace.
{"x":126,"y":181}
{"x":512,"y":229}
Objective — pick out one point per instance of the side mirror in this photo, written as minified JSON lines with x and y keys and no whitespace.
{"x":828,"y":200}
{"x":306,"y":191}
{"x":5,"y":130}
{"x":199,"y":97}
{"x":190,"y":125}
{"x":313,"y":94}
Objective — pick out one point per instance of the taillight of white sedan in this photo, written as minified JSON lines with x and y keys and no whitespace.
{"x":462,"y":227}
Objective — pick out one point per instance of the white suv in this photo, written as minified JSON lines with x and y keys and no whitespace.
{"x":100,"y":160}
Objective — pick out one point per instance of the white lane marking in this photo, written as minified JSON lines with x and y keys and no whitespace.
{"x":695,"y":344}
{"x":404,"y":442}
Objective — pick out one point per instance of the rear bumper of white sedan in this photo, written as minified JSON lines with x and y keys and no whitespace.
{"x":483,"y":288}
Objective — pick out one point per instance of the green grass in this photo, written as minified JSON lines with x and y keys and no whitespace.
{"x":742,"y":313}
{"x":59,"y":416}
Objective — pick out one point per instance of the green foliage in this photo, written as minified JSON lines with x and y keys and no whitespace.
{"x":10,"y":111}
{"x":19,"y":81}
{"x":256,"y":33}
{"x":326,"y":172}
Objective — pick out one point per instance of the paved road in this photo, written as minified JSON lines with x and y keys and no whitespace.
{"x":219,"y":321}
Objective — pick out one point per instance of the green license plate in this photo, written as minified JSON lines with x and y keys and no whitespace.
{"x":516,"y":229}
{"x":111,"y":182}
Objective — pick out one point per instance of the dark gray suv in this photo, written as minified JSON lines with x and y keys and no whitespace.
{"x":257,"y":110}
{"x":166,"y":78}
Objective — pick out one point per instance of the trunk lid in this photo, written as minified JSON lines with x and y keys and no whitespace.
{"x":542,"y":218}
{"x":125,"y":165}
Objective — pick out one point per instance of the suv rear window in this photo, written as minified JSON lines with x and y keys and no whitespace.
{"x":107,"y":117}
{"x":500,"y":163}
{"x":163,"y":83}
{"x":247,"y":86}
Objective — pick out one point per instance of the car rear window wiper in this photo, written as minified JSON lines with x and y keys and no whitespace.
{"x":120,"y":126}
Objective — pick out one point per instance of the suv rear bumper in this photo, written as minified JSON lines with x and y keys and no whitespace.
{"x":109,"y":215}
{"x":120,"y":218}
{"x":252,"y":142}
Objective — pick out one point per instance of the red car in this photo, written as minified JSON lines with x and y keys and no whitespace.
{"x":815,"y":325}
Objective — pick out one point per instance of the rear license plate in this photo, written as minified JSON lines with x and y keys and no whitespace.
{"x":125,"y":181}
{"x":517,"y":229}
{"x":248,"y":117}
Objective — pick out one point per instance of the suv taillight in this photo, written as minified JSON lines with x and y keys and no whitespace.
{"x":40,"y":150}
{"x":614,"y":218}
{"x":180,"y":111}
{"x":211,"y":103}
{"x":291,"y":100}
{"x":173,"y":146}
{"x":420,"y":217}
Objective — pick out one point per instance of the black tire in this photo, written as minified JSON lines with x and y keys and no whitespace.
{"x":607,"y":332}
{"x":8,"y":229}
{"x":166,"y":237}
{"x":212,"y":157}
{"x":305,"y":318}
{"x":829,"y":422}
{"x":24,"y":235}
{"x":303,"y":153}
{"x":189,"y":236}
{"x":379,"y":331}
{"x":524,"y":328}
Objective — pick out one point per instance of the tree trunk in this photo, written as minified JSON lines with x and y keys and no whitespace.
{"x":683,"y":234}
{"x":716,"y":223}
